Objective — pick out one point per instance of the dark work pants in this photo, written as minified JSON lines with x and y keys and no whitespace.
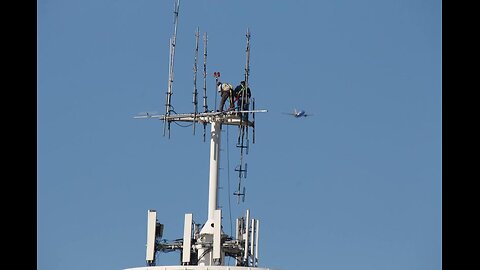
{"x":245,"y":104}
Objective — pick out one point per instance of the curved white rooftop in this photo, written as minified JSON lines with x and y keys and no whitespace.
{"x":197,"y":267}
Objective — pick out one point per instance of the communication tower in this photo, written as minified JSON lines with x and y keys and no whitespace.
{"x":206,"y":246}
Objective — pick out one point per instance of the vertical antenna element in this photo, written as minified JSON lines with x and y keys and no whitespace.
{"x":247,"y":64}
{"x":195,"y":80}
{"x":253,"y":116}
{"x":205,"y":106}
{"x":247,"y":71}
{"x":173,"y":41}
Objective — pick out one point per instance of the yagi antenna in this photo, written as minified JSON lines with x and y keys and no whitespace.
{"x":240,"y":194}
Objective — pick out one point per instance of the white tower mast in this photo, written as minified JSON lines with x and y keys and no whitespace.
{"x":215,"y":136}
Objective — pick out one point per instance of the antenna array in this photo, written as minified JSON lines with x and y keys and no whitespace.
{"x":207,"y":244}
{"x":243,"y":141}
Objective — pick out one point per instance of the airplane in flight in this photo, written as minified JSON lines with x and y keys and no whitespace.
{"x":297,"y":114}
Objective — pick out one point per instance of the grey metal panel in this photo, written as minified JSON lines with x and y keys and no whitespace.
{"x":151,"y":226}
{"x":187,"y":238}
{"x":237,"y":229}
{"x":217,"y":234}
{"x":256,"y":241}
{"x":252,"y":246}
{"x":247,"y":238}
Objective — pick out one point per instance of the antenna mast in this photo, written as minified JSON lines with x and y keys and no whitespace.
{"x":173,"y":42}
{"x":205,"y":105}
{"x":243,"y":130}
{"x":195,"y":78}
{"x":207,"y":244}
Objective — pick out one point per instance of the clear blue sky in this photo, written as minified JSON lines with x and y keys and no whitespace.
{"x":356,"y":186}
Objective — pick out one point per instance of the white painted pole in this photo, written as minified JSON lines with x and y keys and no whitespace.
{"x":214,"y":165}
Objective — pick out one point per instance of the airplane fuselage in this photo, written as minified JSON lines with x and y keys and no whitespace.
{"x":300,"y":113}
